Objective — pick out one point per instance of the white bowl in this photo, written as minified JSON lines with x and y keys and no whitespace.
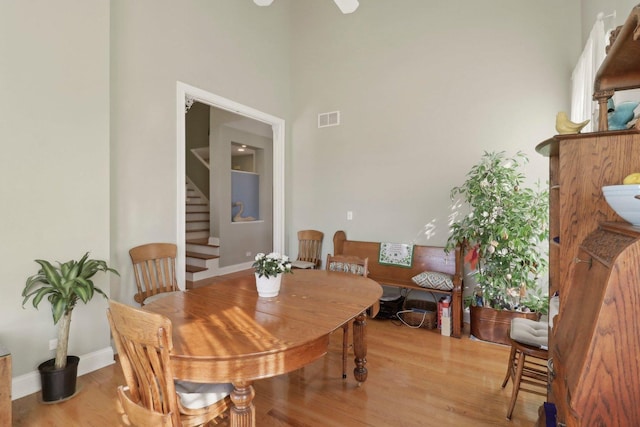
{"x":623,"y":200}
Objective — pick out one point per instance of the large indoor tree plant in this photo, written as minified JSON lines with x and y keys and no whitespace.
{"x":503,"y":227}
{"x":63,"y":285}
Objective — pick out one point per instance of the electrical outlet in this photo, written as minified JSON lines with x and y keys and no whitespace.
{"x":247,"y":254}
{"x":349,"y":215}
{"x":53,"y":344}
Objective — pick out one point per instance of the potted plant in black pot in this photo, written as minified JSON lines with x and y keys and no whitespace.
{"x":502,"y":227}
{"x":63,"y":285}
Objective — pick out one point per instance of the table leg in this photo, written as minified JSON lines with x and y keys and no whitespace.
{"x":360,"y":347}
{"x":242,"y":412}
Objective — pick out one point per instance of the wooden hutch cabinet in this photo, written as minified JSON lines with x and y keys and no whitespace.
{"x":594,"y":260}
{"x":594,"y":265}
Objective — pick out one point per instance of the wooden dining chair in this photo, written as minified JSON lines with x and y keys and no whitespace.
{"x":527,"y":366}
{"x":309,"y":249}
{"x":349,"y":265}
{"x":152,"y":397}
{"x":154,"y":267}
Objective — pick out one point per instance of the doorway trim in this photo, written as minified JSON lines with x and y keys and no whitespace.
{"x":184,"y":91}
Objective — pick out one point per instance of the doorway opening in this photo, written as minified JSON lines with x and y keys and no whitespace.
{"x":189,"y":94}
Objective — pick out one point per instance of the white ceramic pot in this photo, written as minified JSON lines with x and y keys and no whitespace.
{"x":268,"y":286}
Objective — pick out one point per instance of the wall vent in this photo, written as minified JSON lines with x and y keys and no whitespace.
{"x":329,"y":119}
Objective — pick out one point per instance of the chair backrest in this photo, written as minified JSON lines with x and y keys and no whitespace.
{"x":348,"y":264}
{"x":310,"y":246}
{"x":143,"y":341}
{"x":140,"y":416}
{"x":154,"y":267}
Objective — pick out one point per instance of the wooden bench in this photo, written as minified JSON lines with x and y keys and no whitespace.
{"x":425,"y":258}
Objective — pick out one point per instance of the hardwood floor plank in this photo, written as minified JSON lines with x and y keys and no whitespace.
{"x":416,"y":378}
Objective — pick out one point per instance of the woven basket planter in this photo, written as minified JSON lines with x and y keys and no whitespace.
{"x":426,"y":320}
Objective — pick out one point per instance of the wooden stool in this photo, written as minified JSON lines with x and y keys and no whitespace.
{"x":528,"y":359}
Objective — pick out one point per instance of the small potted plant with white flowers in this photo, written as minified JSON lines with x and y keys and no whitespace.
{"x":269,"y":271}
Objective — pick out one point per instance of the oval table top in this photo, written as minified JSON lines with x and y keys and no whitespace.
{"x":224,"y":332}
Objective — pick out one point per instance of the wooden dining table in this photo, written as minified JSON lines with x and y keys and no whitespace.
{"x":225,"y":332}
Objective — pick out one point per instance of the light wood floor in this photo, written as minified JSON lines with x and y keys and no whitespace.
{"x":416,"y":378}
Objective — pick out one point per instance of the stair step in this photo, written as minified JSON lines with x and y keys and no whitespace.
{"x":197,"y":220}
{"x":199,"y":275}
{"x":197,"y":216}
{"x":194,"y":269}
{"x":196,"y":226}
{"x":196,"y":202}
{"x":198,"y":234}
{"x":197,"y":209}
{"x":201,"y":255}
{"x":201,"y":247}
{"x":202,"y":241}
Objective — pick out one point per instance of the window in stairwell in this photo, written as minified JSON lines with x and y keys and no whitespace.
{"x":245,"y":184}
{"x":243,"y":157}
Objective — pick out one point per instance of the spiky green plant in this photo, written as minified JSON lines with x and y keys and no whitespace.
{"x":64,"y":285}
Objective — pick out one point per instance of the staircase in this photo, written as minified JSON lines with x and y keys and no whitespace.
{"x":202,"y":251}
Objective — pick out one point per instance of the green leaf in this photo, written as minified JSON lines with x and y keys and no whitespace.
{"x":83,"y":292}
{"x":58,"y":308}
{"x":33,"y":281}
{"x":72,"y":270}
{"x":39,"y":294}
{"x":98,"y":290}
{"x":51,"y":274}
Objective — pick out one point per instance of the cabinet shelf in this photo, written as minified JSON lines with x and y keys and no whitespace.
{"x":620,"y":69}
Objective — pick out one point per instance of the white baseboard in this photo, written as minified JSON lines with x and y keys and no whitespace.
{"x":29,"y":383}
{"x":234,"y":268}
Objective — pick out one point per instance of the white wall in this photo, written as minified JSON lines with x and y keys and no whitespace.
{"x":591,"y":8}
{"x":231,"y":48}
{"x":423,"y":88}
{"x":54,"y":166}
